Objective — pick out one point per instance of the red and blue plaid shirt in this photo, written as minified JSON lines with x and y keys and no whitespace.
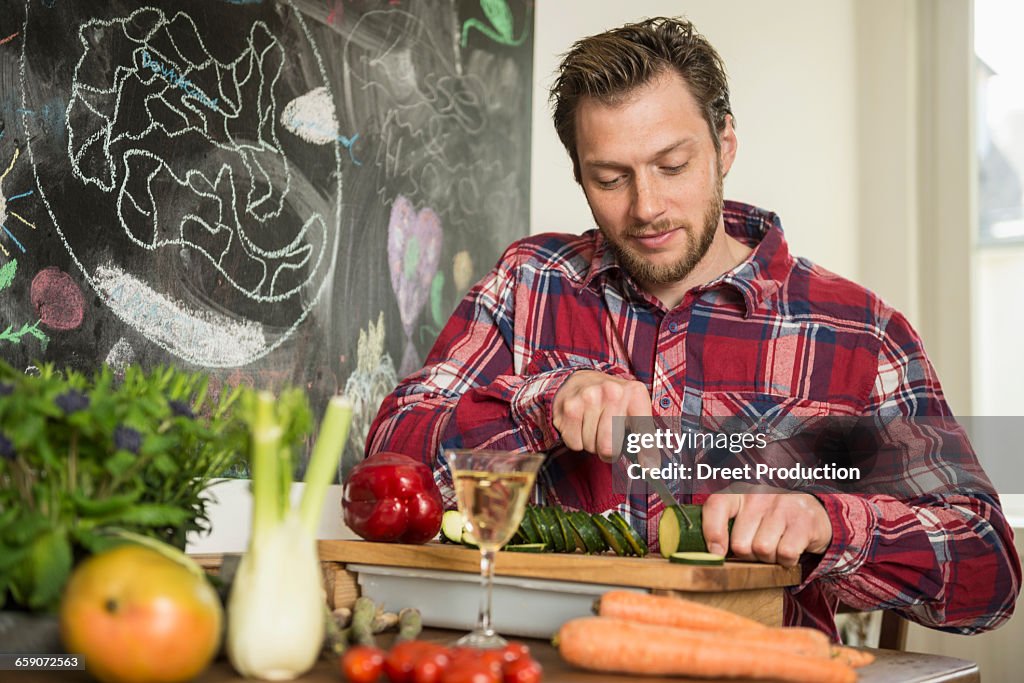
{"x":776,"y":333}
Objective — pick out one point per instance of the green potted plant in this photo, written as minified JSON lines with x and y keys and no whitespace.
{"x":85,"y":456}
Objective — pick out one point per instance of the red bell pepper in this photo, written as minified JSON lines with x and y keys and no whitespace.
{"x":392,"y":498}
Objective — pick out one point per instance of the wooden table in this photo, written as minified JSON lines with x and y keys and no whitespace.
{"x":749,"y":588}
{"x":889,"y":667}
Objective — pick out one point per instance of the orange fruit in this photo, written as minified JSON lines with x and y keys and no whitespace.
{"x":137,"y":616}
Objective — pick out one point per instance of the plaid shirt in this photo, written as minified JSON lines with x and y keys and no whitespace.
{"x":776,"y":333}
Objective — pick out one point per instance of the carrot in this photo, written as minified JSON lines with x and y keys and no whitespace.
{"x":855,"y":658}
{"x":671,"y":611}
{"x":615,"y":645}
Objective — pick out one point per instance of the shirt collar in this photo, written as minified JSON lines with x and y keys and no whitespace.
{"x":756,"y":279}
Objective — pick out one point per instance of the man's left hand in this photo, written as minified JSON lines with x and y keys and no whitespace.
{"x":770,"y":527}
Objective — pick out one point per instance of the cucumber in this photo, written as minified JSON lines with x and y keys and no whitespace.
{"x":695,"y":558}
{"x":680,"y":530}
{"x":612,"y":536}
{"x":526,"y":548}
{"x":537,"y":517}
{"x":573,"y":540}
{"x":528,"y":530}
{"x":452,"y":524}
{"x":585,"y":527}
{"x":558,"y":542}
{"x":635,"y":541}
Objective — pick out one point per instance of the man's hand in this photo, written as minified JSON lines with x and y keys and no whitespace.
{"x":771,"y":527}
{"x":585,"y":405}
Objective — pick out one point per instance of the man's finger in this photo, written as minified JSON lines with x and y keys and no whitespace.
{"x":765,"y":544}
{"x":718,"y":509}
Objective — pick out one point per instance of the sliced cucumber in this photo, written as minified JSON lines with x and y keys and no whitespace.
{"x":585,"y":527}
{"x":528,"y":530}
{"x":612,"y":536}
{"x":571,"y":542}
{"x":558,"y":543}
{"x":539,"y":523}
{"x":679,"y":530}
{"x":452,"y":525}
{"x":526,"y":548}
{"x":695,"y":558}
{"x":635,"y":541}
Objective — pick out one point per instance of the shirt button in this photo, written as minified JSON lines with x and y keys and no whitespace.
{"x":665,"y":402}
{"x":673,"y":327}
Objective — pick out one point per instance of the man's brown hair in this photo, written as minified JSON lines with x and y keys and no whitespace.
{"x":610,"y":65}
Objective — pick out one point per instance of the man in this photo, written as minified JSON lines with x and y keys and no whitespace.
{"x":682,"y":304}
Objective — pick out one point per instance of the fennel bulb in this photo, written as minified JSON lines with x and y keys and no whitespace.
{"x":277,"y":607}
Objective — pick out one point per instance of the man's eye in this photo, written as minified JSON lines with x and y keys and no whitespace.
{"x":673,"y":170}
{"x":610,"y":183}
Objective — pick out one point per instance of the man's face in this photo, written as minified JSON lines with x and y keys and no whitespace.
{"x":652,"y":178}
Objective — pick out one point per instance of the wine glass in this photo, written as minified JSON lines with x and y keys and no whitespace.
{"x":492,"y":488}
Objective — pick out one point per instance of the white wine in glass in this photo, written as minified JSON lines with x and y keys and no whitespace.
{"x":491,"y":488}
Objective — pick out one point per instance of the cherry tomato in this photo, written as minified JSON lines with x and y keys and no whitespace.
{"x":401,"y":661}
{"x":362,"y":664}
{"x":495,"y":659}
{"x":431,"y":665}
{"x":515,"y":650}
{"x":523,"y":670}
{"x":470,"y":672}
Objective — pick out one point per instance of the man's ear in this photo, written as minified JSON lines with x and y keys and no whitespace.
{"x":727,"y":145}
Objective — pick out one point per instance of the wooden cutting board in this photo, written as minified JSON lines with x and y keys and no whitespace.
{"x":651,"y":572}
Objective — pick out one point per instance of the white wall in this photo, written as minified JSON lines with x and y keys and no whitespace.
{"x":793,"y":83}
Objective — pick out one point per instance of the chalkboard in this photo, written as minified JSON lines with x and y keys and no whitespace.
{"x":288,"y":192}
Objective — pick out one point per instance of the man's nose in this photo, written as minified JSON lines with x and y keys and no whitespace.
{"x":648,"y":203}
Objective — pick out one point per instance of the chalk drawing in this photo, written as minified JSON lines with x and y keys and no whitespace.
{"x":312,"y":118}
{"x":372,"y":380}
{"x":121,"y":355}
{"x":214,"y":211}
{"x":4,"y":212}
{"x":57,"y":300}
{"x":435,"y":127}
{"x":210,"y":337}
{"x":7,"y":273}
{"x":414,"y":251}
{"x":500,"y":16}
{"x":337,"y":11}
{"x":178,"y":80}
{"x":462,"y":271}
{"x":9,"y":334}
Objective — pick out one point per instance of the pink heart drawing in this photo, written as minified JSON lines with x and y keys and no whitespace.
{"x":414,"y":251}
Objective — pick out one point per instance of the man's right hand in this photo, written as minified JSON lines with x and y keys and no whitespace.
{"x":585,"y":405}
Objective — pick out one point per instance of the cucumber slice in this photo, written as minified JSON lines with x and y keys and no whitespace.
{"x":452,"y":524}
{"x":679,"y":530}
{"x":558,"y":541}
{"x":573,"y":541}
{"x":612,"y":536}
{"x":695,"y":558}
{"x":528,"y":530}
{"x":526,"y":548}
{"x":635,"y":541}
{"x":537,"y":517}
{"x":584,"y":526}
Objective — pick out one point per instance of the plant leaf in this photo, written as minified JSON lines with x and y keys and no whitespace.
{"x":150,"y":514}
{"x":88,"y":507}
{"x":38,"y":580}
{"x":119,"y":462}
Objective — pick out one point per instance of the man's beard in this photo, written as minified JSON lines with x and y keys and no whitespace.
{"x":645,"y":272}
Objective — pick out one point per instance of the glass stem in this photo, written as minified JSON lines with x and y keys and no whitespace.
{"x":483,"y":619}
